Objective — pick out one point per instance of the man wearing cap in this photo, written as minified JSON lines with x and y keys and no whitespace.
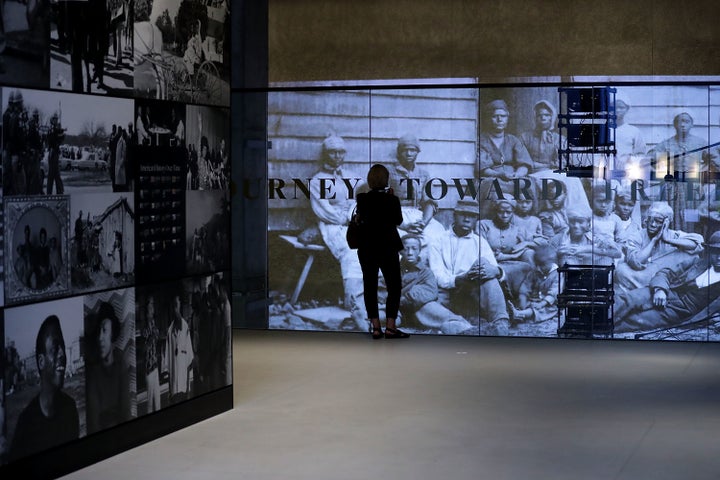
{"x":628,"y":139}
{"x":334,"y":213}
{"x":656,"y":247}
{"x":501,"y":155}
{"x":408,"y":182}
{"x":467,"y":272}
{"x":675,"y":293}
{"x":543,"y":142}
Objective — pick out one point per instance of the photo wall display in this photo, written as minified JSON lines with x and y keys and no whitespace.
{"x":115,"y":258}
{"x":487,"y":221}
{"x":164,"y":49}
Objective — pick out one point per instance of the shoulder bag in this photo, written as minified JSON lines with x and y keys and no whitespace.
{"x":353,"y":231}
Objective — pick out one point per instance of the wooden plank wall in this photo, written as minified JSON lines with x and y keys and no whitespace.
{"x":444,"y":120}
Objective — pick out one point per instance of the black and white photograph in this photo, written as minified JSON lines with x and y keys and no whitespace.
{"x":481,"y":165}
{"x":45,"y":340}
{"x":182,"y":50}
{"x":110,"y":358}
{"x":209,"y":319}
{"x":207,"y":231}
{"x":37,"y":262}
{"x":208,"y":137}
{"x":91,"y":46}
{"x":102,"y":241}
{"x":321,"y":141}
{"x":165,"y":349}
{"x":59,"y":143}
{"x":160,"y":124}
{"x":24,"y":34}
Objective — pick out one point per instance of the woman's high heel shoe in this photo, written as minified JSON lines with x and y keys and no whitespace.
{"x":395,"y":333}
{"x":377,"y":333}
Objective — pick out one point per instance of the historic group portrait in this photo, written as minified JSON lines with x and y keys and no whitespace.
{"x":487,"y":219}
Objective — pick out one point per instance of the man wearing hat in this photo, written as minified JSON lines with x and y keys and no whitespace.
{"x":408,"y":182}
{"x":467,"y":272}
{"x":333,"y":213}
{"x":675,"y":294}
{"x":628,"y":139}
{"x":543,"y":142}
{"x":501,"y":155}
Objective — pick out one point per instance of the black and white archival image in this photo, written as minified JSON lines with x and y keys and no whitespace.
{"x":102,"y":237}
{"x":208,"y":135}
{"x":209,"y":319}
{"x":160,"y":124}
{"x":24,"y":57}
{"x":182,"y":50}
{"x":487,"y":221}
{"x":91,"y":46}
{"x":65,"y":143}
{"x":165,"y":349}
{"x":36,"y":246}
{"x":207,"y":231}
{"x":320,"y":157}
{"x":110,"y":358}
{"x":47,"y":342}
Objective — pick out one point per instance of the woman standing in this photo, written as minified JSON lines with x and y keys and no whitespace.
{"x":379,"y":211}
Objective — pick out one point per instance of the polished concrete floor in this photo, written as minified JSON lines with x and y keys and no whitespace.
{"x":339,"y":406}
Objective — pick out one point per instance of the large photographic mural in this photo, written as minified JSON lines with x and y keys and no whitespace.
{"x":487,"y":220}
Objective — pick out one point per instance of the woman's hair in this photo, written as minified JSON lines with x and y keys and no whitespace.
{"x":378,"y":177}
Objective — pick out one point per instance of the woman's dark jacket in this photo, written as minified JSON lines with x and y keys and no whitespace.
{"x":380,"y":214}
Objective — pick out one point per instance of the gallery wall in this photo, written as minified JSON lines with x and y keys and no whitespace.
{"x":314,"y":279}
{"x":328,"y":40}
{"x":116,"y":226}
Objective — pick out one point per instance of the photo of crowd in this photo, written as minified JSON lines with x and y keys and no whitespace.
{"x":487,"y":221}
{"x":91,"y":46}
{"x":57,"y":143}
{"x":208,"y":160}
{"x":183,"y":340}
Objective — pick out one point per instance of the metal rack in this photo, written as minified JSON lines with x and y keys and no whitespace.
{"x":586,"y":122}
{"x":586,"y":300}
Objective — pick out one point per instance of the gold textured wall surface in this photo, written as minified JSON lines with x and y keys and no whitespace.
{"x":316,"y":40}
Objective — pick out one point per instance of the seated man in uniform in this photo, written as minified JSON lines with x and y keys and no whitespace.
{"x":51,"y":417}
{"x":676,"y":293}
{"x":468,"y":274}
{"x":333,"y":214}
